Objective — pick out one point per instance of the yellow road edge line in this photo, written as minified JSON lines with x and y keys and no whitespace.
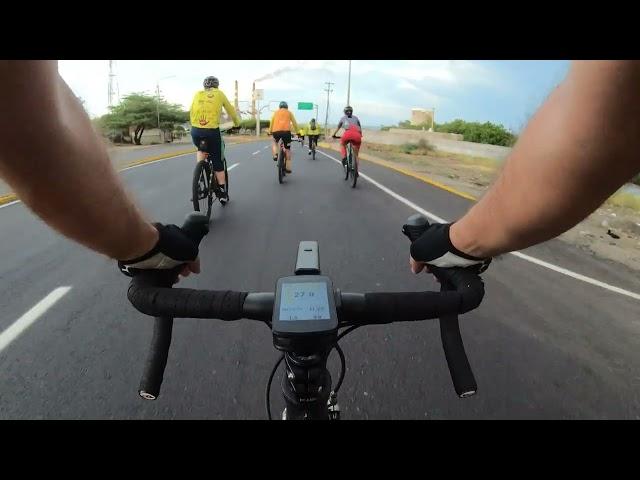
{"x":158,"y":157}
{"x":10,"y":197}
{"x":417,"y":176}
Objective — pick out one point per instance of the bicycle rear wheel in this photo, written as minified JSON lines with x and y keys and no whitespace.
{"x":201,"y":193}
{"x":280,"y":166}
{"x":354,"y":169}
{"x":347,"y":167}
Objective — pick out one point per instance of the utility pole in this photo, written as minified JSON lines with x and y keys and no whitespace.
{"x":326,"y":118}
{"x":158,"y":104}
{"x":112,"y":84}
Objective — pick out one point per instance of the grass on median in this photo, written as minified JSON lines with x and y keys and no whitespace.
{"x":625,"y":199}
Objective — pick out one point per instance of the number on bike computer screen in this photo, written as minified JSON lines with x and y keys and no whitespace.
{"x":304,"y":301}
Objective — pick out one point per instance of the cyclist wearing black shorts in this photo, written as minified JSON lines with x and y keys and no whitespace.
{"x":205,"y":126}
{"x":280,"y":127}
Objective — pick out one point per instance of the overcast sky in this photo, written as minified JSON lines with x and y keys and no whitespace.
{"x":382,"y":91}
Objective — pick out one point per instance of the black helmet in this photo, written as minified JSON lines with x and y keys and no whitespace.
{"x":348,"y":109}
{"x":211,"y":82}
{"x":284,"y":105}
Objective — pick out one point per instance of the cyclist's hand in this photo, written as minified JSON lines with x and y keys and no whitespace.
{"x":173,"y":248}
{"x":434,"y":247}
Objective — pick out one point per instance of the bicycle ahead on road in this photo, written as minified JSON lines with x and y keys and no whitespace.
{"x":313,"y":141}
{"x":205,"y":188}
{"x":281,"y":163}
{"x":305,"y":314}
{"x":351,"y":168}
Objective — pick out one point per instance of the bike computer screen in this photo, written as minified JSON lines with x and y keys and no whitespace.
{"x":304,"y":304}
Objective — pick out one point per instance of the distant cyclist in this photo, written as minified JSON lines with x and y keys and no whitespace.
{"x":301,"y":134}
{"x":352,"y":133}
{"x":313,"y":132}
{"x":280,"y":127}
{"x":206,"y":109}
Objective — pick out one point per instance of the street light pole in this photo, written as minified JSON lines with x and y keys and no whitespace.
{"x":158,"y":101}
{"x":349,"y":85}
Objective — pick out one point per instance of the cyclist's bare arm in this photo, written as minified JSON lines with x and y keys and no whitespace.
{"x":294,"y":123}
{"x":576,"y":151}
{"x":57,"y":165}
{"x":273,"y":117}
{"x":337,"y":129}
{"x":231,"y":111}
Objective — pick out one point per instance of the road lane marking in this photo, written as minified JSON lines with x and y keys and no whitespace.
{"x":521,"y":255}
{"x":28,"y":319}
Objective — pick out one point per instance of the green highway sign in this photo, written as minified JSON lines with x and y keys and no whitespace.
{"x":305,"y":106}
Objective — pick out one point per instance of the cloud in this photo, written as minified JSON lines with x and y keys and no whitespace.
{"x":281,"y":71}
{"x":452,"y":73}
{"x":278,"y":84}
{"x":406,"y":85}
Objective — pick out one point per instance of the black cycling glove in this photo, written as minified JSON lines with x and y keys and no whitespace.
{"x":174,"y":248}
{"x":434,"y":247}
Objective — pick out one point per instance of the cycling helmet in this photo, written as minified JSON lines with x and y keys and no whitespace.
{"x":211,"y":82}
{"x":284,"y":105}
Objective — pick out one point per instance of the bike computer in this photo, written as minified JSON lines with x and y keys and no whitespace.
{"x":304,"y":305}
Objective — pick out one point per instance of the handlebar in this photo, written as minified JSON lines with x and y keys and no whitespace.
{"x":151,"y":293}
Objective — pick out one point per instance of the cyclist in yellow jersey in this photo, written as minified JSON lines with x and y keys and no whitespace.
{"x":280,"y":128}
{"x":206,"y":109}
{"x":313,"y":132}
{"x":301,"y":134}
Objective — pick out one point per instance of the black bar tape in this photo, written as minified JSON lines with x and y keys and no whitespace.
{"x":462,"y":377}
{"x":464,"y":383}
{"x":156,"y":359}
{"x":466,"y":282}
{"x":398,"y":307}
{"x":186,"y":302}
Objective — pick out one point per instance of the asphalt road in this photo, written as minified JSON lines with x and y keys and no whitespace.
{"x":542,"y":344}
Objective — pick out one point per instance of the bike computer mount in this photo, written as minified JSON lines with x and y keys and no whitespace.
{"x":305,"y":319}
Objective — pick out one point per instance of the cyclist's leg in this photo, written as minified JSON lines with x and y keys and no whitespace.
{"x":274,"y":145}
{"x":343,"y":149}
{"x":355,"y":137}
{"x":215,"y":151}
{"x":286,"y":139}
{"x":200,"y":142}
{"x":357,"y":142}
